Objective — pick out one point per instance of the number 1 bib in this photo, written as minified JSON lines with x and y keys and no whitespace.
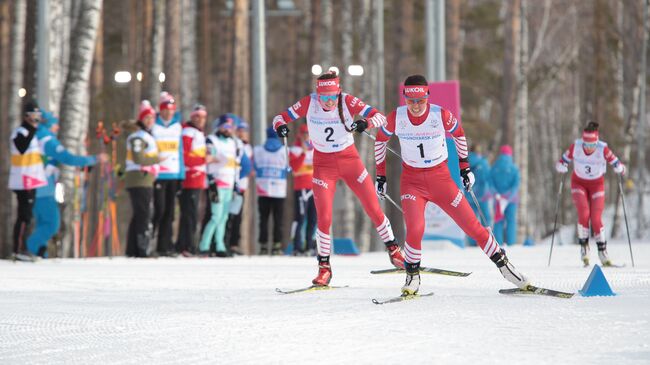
{"x":422,"y":145}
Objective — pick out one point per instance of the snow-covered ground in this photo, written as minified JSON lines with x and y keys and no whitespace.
{"x":222,"y":311}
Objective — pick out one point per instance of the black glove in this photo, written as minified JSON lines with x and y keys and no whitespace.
{"x":282,"y":130}
{"x":468,"y":178}
{"x":213,"y":193}
{"x":380,"y":187}
{"x":360,"y":125}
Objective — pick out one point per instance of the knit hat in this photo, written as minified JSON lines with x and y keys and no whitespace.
{"x":242,"y":126}
{"x":199,"y":110}
{"x":270,"y":133}
{"x":225,"y":121}
{"x":506,"y":150}
{"x":30,"y":107}
{"x":145,"y":110}
{"x":166,"y":101}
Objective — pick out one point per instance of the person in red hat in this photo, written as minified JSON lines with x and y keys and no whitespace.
{"x":301,"y":159}
{"x":140,"y":173}
{"x":590,"y":157}
{"x":421,"y":128}
{"x":329,"y":113}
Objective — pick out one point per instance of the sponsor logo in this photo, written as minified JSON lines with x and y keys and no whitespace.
{"x":327,"y":83}
{"x":414,"y":90}
{"x":296,"y":106}
{"x":363,"y":176}
{"x":407,"y":197}
{"x":319,"y":182}
{"x":457,"y":200}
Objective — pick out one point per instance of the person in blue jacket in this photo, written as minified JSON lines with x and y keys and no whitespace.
{"x":504,"y":177}
{"x":46,"y":209}
{"x":481,"y":188}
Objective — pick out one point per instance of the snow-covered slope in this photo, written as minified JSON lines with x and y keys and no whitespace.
{"x":223,"y":311}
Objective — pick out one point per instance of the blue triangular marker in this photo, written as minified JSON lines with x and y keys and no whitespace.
{"x":596,"y":284}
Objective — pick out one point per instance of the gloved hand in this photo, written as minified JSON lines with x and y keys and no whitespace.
{"x":381,"y":187}
{"x":468,"y":178}
{"x":282,"y":130}
{"x":213,"y":193}
{"x":619,"y":168}
{"x":561,"y":167}
{"x":360,"y":125}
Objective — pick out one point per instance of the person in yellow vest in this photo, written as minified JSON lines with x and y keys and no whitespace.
{"x":168,"y":132}
{"x":27,"y":172}
{"x":140,"y":173}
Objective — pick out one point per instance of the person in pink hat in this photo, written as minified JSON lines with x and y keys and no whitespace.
{"x":329,"y":113}
{"x":421,"y":128}
{"x":590,"y":157}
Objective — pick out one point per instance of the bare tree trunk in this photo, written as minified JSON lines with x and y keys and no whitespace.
{"x":454,"y":41}
{"x":18,"y":52}
{"x":58,"y":52}
{"x":157,"y":51}
{"x":643,"y":122}
{"x":241,"y":60}
{"x":521,"y":121}
{"x":327,"y":47}
{"x":510,"y":65}
{"x":74,"y":105}
{"x":172,"y":62}
{"x":205,"y":66}
{"x":189,"y":77}
{"x":6,"y":97}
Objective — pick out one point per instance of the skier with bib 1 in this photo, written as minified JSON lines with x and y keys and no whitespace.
{"x":329,"y":113}
{"x":421,"y":128}
{"x":590,"y":157}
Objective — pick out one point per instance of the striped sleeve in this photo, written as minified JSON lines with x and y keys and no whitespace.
{"x":296,"y":111}
{"x":453,"y":127}
{"x":357,"y":106}
{"x":381,"y":143}
{"x":567,"y":156}
{"x":610,"y":156}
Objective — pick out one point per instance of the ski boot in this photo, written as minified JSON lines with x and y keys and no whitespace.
{"x":412,"y":284}
{"x":584,"y":250}
{"x":508,"y":271}
{"x":395,"y":254}
{"x":264,"y":250}
{"x":602,"y":254}
{"x":276,"y":250}
{"x":324,"y":272}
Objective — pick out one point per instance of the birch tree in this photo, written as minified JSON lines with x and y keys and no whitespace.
{"x":172,"y":58}
{"x":18,"y":52}
{"x":189,"y":77}
{"x":241,"y":59}
{"x":510,"y":65}
{"x":157,"y":51}
{"x":75,"y":101}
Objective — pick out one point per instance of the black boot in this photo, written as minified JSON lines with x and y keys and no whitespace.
{"x":584,"y":250}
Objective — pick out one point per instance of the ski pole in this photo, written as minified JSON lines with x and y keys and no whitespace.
{"x":627,"y":228}
{"x":388,"y":148}
{"x":286,"y":150}
{"x":394,"y":204}
{"x":557,"y":208}
{"x":478,"y":207}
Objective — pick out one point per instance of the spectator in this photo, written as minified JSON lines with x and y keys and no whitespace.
{"x":504,"y":177}
{"x":141,"y":171}
{"x":168,"y":134}
{"x":46,"y":208}
{"x":270,"y":165}
{"x":301,"y":159}
{"x":196,"y":160}
{"x":233,"y":230}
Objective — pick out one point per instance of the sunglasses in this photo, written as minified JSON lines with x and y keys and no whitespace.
{"x":420,"y":101}
{"x":326,"y":98}
{"x":590,"y":145}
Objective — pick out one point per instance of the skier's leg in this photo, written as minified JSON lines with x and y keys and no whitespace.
{"x":413,"y":203}
{"x":580,"y":198}
{"x":310,"y":244}
{"x":444,"y":193}
{"x":324,"y":186}
{"x":597,"y":205}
